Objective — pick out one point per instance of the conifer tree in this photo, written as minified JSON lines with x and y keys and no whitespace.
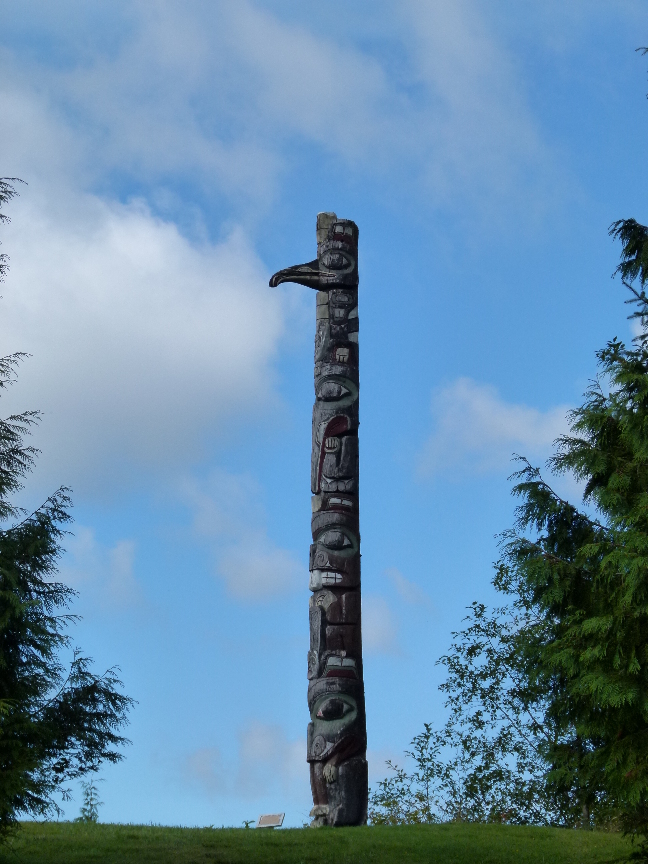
{"x":548,"y":695}
{"x":58,"y":722}
{"x":587,"y":575}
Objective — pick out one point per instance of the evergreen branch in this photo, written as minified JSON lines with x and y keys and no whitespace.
{"x":54,"y":506}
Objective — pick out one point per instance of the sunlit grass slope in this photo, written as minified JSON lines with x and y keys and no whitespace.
{"x":69,"y":843}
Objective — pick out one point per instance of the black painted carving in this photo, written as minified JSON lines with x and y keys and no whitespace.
{"x":337,"y":736}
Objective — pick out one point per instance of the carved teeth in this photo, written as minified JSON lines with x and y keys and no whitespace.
{"x":329,"y":578}
{"x":341,"y":661}
{"x":319,"y":578}
{"x":330,"y":485}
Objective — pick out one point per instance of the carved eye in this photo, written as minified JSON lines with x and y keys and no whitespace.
{"x":335,"y":261}
{"x":341,"y":390}
{"x":334,"y":709}
{"x":335,"y":540}
{"x":331,"y":390}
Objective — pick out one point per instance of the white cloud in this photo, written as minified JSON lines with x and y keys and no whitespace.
{"x":476,"y":431}
{"x":480,"y":130}
{"x":103,"y":575}
{"x":144,"y":344}
{"x":205,"y":769}
{"x":266,"y":762}
{"x":567,"y":27}
{"x":408,"y":591}
{"x":379,"y":630}
{"x":311,"y":85}
{"x":213,"y":92}
{"x":256,"y":568}
{"x":228,"y":513}
{"x":207,"y":91}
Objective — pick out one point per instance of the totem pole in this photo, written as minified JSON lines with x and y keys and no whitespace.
{"x":337,"y":736}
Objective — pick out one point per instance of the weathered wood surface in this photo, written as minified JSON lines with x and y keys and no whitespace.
{"x":337,"y":736}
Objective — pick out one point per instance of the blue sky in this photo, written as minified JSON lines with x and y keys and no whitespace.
{"x":176,"y":156}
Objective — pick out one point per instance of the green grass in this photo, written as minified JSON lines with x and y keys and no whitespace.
{"x":70,"y":843}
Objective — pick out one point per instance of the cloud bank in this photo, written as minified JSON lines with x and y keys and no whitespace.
{"x":148,"y":335}
{"x":103,"y":575}
{"x":379,"y":627}
{"x":228,"y":515}
{"x":266,"y":762}
{"x":476,"y":431}
{"x":213,"y":93}
{"x":143,"y":343}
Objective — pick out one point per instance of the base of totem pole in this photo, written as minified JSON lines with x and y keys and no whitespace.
{"x":347,"y":803}
{"x":320,"y":816}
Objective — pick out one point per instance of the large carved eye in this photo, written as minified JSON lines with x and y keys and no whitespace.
{"x":334,"y":709}
{"x":335,"y":261}
{"x":335,"y":540}
{"x":337,"y":388}
{"x":331,"y":390}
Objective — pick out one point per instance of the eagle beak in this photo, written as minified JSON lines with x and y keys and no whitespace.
{"x":303,"y":274}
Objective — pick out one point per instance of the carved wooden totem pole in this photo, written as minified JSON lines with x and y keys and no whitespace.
{"x":337,"y":736}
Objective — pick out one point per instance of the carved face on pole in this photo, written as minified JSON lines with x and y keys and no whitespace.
{"x":337,"y":738}
{"x":337,"y":718}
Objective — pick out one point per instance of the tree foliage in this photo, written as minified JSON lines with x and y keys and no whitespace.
{"x":7,"y":192}
{"x":487,"y":763}
{"x":57,"y":722}
{"x":548,"y":696}
{"x":634,"y":253}
{"x":89,"y":814}
{"x":589,"y":577}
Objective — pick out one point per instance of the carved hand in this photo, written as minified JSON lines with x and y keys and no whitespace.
{"x":330,"y":773}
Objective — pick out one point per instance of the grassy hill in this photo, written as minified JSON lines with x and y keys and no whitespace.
{"x":70,"y":843}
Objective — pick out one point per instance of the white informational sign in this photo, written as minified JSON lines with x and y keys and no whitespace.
{"x":270,"y":820}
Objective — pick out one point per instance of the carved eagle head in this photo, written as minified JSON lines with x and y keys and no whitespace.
{"x":336,"y":265}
